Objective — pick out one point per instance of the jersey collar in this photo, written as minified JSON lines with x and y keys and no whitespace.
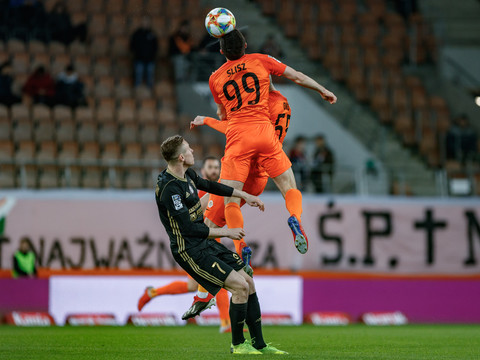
{"x":175,"y":176}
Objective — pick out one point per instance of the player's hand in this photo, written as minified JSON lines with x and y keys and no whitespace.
{"x":255,"y":202}
{"x":198,"y":121}
{"x":329,"y":96}
{"x":236,"y":233}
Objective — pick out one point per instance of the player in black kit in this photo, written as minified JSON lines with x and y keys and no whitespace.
{"x":193,"y":246}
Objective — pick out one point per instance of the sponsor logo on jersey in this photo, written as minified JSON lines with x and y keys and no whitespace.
{"x":177,"y":202}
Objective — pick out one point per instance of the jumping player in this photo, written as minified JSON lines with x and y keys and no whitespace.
{"x":280,"y":114}
{"x":210,"y":263}
{"x":240,"y":89}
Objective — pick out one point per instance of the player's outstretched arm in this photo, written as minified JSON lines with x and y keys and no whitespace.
{"x":217,"y":188}
{"x":235,"y":234}
{"x":301,"y":79}
{"x":249,"y":199}
{"x":213,"y":123}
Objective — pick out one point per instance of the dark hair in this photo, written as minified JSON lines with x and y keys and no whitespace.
{"x":233,"y":45}
{"x":171,"y":146}
{"x":209,"y":158}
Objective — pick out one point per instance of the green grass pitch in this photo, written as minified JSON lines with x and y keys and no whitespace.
{"x":414,"y":342}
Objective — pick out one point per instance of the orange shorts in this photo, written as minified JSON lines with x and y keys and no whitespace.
{"x":255,"y":184}
{"x":254,"y":144}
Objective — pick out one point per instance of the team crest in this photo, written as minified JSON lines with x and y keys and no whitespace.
{"x":210,"y":203}
{"x":177,"y":202}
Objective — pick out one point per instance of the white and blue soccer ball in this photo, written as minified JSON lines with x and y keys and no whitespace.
{"x":219,"y":22}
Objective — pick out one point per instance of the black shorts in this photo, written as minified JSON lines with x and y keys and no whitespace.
{"x":209,"y":265}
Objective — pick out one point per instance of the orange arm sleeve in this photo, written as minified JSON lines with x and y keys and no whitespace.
{"x":216,"y":124}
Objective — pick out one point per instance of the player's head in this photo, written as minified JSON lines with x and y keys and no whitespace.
{"x":175,"y":149}
{"x":24,"y":246}
{"x":320,"y":140}
{"x":233,"y":45}
{"x":211,"y":168}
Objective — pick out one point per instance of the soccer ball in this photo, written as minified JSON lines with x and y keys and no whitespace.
{"x":219,"y":21}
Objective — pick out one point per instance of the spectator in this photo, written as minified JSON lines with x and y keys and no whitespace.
{"x":7,"y":97}
{"x":4,"y":12}
{"x":144,"y":46}
{"x":299,"y":162}
{"x":40,"y":87}
{"x":60,"y":24}
{"x":406,"y":7}
{"x":271,"y":47}
{"x":24,"y":261}
{"x":61,"y":27}
{"x":207,"y":59}
{"x":25,"y":17}
{"x":69,"y":88}
{"x":461,"y":140}
{"x":323,"y":161}
{"x":180,"y":48}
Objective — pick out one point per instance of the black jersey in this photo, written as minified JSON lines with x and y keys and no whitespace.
{"x":180,"y":209}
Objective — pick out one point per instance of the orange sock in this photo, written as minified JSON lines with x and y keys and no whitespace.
{"x":176,"y":287}
{"x":239,"y":245}
{"x":234,"y":219}
{"x":223,"y":304}
{"x":293,"y":201}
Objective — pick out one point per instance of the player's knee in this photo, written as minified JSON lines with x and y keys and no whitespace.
{"x":242,"y":289}
{"x":232,"y":200}
{"x":251,"y":285}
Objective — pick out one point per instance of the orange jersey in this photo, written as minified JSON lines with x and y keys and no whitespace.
{"x":242,"y":87}
{"x":280,"y":114}
{"x":220,"y":126}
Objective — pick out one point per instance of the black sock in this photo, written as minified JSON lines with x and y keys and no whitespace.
{"x":254,"y":322}
{"x":237,"y":312}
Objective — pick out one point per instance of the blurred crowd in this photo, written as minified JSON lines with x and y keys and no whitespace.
{"x":313,"y":172}
{"x":42,"y":88}
{"x":27,"y":19}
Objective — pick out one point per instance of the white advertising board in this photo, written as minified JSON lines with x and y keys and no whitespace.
{"x":118,"y":295}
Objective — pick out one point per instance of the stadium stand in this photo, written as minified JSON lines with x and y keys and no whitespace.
{"x":113,"y":141}
{"x":363,"y":43}
{"x":366,"y":45}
